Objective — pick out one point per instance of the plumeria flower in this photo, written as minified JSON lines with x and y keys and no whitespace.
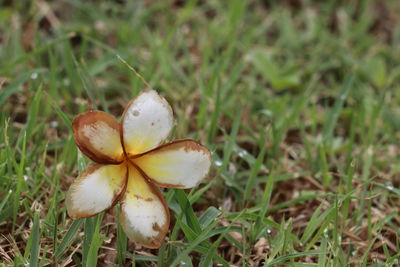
{"x":130,"y":162}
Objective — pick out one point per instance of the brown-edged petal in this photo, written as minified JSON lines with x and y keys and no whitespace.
{"x":146,"y":122}
{"x":97,"y":135}
{"x":96,"y":189}
{"x":144,"y":213}
{"x":179,"y":164}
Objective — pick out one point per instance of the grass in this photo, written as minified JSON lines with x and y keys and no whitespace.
{"x":298,"y":101}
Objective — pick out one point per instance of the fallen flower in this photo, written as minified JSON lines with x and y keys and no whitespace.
{"x":130,"y":162}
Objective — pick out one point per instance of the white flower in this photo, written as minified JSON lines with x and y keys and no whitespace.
{"x":130,"y":161}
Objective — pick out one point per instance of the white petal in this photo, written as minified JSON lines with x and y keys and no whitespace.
{"x":95,"y":190}
{"x":97,"y":135}
{"x":180,"y":164}
{"x":144,"y":213}
{"x":146,"y":122}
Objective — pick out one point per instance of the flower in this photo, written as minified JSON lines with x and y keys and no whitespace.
{"x":130,"y":163}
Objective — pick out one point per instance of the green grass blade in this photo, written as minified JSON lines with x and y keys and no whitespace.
{"x":283,"y":259}
{"x":188,"y":211}
{"x":68,"y":238}
{"x":20,"y":181}
{"x":208,"y":216}
{"x":212,"y":130}
{"x":16,"y":85}
{"x":337,"y":108}
{"x":255,"y":169}
{"x":92,"y":254}
{"x":200,"y":238}
{"x":4,"y":200}
{"x":121,"y":240}
{"x":33,"y":112}
{"x":265,"y":203}
{"x":229,"y":145}
{"x":35,"y":241}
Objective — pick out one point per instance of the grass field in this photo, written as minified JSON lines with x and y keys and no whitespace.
{"x":297,"y":100}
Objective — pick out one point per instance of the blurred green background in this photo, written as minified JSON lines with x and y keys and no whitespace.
{"x":297,"y":99}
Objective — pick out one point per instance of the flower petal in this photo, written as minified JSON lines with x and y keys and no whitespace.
{"x":97,"y":135}
{"x":144,"y":213}
{"x":96,"y":189}
{"x":180,"y":164}
{"x":146,"y":122}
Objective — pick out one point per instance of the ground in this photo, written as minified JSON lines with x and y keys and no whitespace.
{"x":297,"y":100}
